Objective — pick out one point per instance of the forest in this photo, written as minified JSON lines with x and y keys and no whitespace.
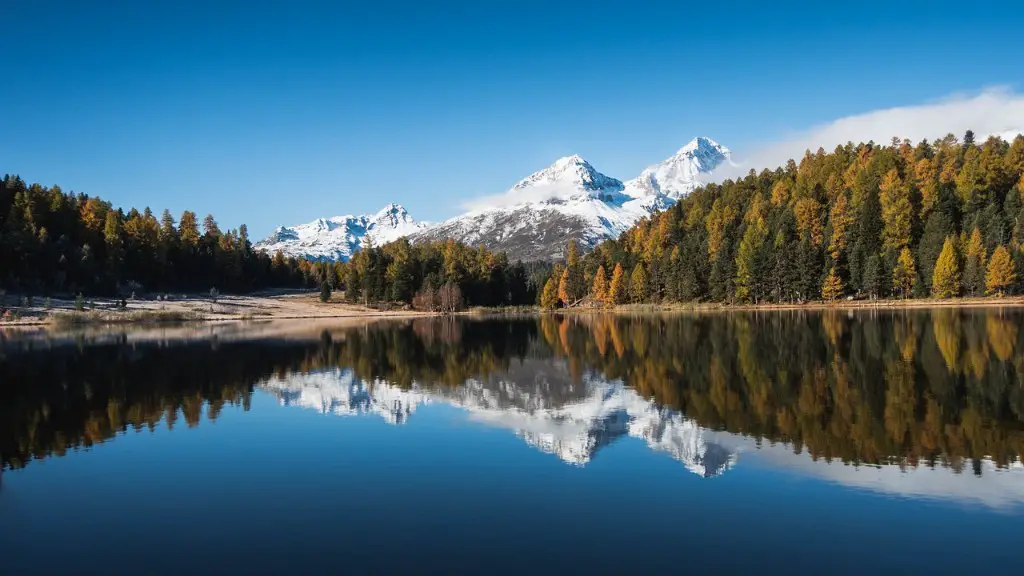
{"x":907,"y":387}
{"x":934,"y":219}
{"x":53,"y":242}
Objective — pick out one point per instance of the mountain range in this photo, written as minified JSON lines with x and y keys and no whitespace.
{"x":538,"y":401}
{"x":534,"y":220}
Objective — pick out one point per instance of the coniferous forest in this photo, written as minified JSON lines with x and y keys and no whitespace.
{"x":933,"y":219}
{"x":52,"y":242}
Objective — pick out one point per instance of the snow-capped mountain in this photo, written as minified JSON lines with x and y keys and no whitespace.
{"x":681,"y":174}
{"x":572,"y":200}
{"x":339,"y":237}
{"x":533,"y":220}
{"x":542,"y":406}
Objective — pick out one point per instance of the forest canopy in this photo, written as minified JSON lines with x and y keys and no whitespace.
{"x":938,"y":218}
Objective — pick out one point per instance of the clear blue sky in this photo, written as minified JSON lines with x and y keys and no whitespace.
{"x":278,"y":113}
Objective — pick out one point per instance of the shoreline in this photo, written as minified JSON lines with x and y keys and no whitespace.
{"x":267,"y":308}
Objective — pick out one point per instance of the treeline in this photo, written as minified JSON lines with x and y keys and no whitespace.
{"x":57,"y":242}
{"x":434,"y":276}
{"x":909,"y":387}
{"x":938,"y":219}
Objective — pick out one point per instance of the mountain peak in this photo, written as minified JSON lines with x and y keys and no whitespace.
{"x":340,"y":237}
{"x":681,"y":173}
{"x":573,"y":174}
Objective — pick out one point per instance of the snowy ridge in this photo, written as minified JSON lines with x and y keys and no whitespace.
{"x":533,"y":220}
{"x":570,"y":199}
{"x":573,"y":427}
{"x":338,"y":238}
{"x":681,"y":174}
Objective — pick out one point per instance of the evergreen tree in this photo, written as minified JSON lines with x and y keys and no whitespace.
{"x":974,"y":265}
{"x":638,"y":284}
{"x":946,"y":277}
{"x":873,"y":281}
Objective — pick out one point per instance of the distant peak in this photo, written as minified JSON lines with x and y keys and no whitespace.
{"x":702,"y":144}
{"x":574,"y":160}
{"x":392,"y":209}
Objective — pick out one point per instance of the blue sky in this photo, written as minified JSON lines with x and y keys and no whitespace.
{"x":278,"y":113}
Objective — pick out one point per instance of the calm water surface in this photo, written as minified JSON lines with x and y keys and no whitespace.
{"x":785,"y":442}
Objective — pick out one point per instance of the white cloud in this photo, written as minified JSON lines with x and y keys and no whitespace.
{"x":535,"y":193}
{"x":994,"y":111}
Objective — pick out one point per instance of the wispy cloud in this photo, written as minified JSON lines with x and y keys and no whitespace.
{"x":994,"y":111}
{"x":535,"y":193}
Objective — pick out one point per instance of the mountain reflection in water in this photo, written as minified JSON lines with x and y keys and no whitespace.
{"x":917,"y":403}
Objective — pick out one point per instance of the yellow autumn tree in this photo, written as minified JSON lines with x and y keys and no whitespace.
{"x":600,"y":288}
{"x":808,"y":220}
{"x":549,"y":296}
{"x":617,"y":289}
{"x":563,"y":289}
{"x":904,"y":275}
{"x":832,"y":289}
{"x":896,"y":211}
{"x":841,"y":217}
{"x":1000,"y":275}
{"x":946,"y":277}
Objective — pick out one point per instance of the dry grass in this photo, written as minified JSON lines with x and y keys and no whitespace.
{"x":65,"y":319}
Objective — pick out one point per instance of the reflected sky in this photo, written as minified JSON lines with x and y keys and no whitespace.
{"x":665,"y":445}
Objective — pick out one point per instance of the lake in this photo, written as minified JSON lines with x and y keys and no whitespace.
{"x":769,"y":442}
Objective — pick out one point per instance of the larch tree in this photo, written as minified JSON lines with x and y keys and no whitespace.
{"x":600,"y":288}
{"x":897,"y":212}
{"x":549,"y":296}
{"x":1001,"y":274}
{"x":638,"y":284}
{"x":832,"y":289}
{"x":946,"y":277}
{"x":564,"y":289}
{"x":618,"y":288}
{"x":904,"y":275}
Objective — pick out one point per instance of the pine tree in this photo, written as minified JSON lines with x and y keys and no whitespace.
{"x":904,"y":275}
{"x":549,"y":296}
{"x":638,"y":284}
{"x":832,"y":289}
{"x":325,"y":290}
{"x":1001,"y":274}
{"x":873,"y":280}
{"x":600,"y":289}
{"x":946,"y":278}
{"x":617,"y":288}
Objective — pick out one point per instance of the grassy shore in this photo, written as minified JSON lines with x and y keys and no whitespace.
{"x":65,"y":313}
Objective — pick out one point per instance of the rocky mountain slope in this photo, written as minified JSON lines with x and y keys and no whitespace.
{"x":339,"y":237}
{"x":534,"y":220}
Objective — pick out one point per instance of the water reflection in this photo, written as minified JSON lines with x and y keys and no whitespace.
{"x":572,"y":419}
{"x":922,"y":403}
